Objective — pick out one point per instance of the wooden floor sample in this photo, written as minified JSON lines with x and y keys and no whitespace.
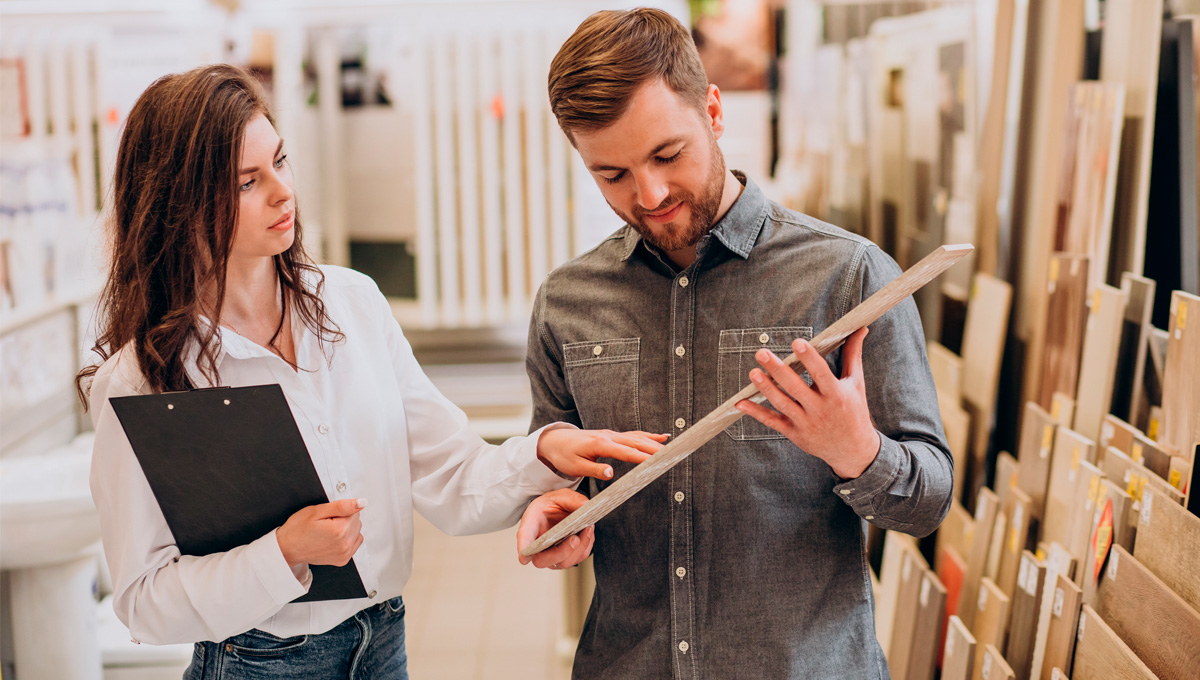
{"x":958,"y":659}
{"x":1181,"y":387}
{"x":931,"y":607}
{"x":1123,"y":532}
{"x":1006,"y":476}
{"x":1060,"y":626}
{"x":984,"y":332}
{"x":1101,"y":655}
{"x":1168,"y":544}
{"x":947,"y":369}
{"x":1066,"y":315}
{"x":1085,"y":515}
{"x":1117,"y":433}
{"x":895,"y":546}
{"x":1097,"y":368}
{"x":987,"y":507}
{"x":955,"y":532}
{"x":1162,"y":629}
{"x":1062,"y":409}
{"x":994,"y":667}
{"x":1026,"y":605}
{"x":991,"y":620}
{"x":1137,"y":477}
{"x":951,"y":570}
{"x":1033,"y":455}
{"x":1129,"y":398}
{"x":957,"y":425}
{"x":1018,"y":510}
{"x":912,"y":575}
{"x":1071,"y":449}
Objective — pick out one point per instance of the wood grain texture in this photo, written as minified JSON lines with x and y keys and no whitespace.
{"x":1123,"y":531}
{"x":1007,"y":24}
{"x":987,"y":507}
{"x":994,"y":667}
{"x":927,"y":628}
{"x":1026,"y":605}
{"x":1162,"y":629}
{"x":955,"y":532}
{"x":1129,"y":393}
{"x":983,"y":340}
{"x":1129,"y":55}
{"x":1101,"y":655}
{"x":1063,"y":602}
{"x":1071,"y":449}
{"x":724,"y":415}
{"x":1098,"y":364}
{"x":912,"y":575}
{"x":1181,"y":387}
{"x":958,"y":659}
{"x":947,"y":369}
{"x":957,"y":425}
{"x":991,"y":620}
{"x":1006,"y":476}
{"x":1117,"y":433}
{"x":1136,"y":478}
{"x":1033,"y":455}
{"x":1082,"y":520}
{"x":951,"y":569}
{"x":1018,"y":510}
{"x":1168,"y":543}
{"x":1066,"y":316}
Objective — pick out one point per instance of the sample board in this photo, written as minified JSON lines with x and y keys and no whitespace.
{"x":1098,"y":364}
{"x":1181,"y":388}
{"x":1168,"y":543}
{"x":1101,"y":655}
{"x":1065,"y":319}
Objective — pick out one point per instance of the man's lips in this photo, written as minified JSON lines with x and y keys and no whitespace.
{"x":667,"y":216}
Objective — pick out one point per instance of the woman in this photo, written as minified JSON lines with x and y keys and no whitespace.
{"x":210,"y":285}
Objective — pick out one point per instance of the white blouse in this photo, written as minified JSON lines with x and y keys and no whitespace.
{"x":354,"y":411}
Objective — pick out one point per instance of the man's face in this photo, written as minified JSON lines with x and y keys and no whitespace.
{"x":659,"y":166}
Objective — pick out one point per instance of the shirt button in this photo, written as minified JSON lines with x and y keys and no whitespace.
{"x":683,"y":282}
{"x":341,"y":486}
{"x":870,"y":517}
{"x":681,"y":572}
{"x":678,"y":496}
{"x":323,"y":428}
{"x":845,"y":492}
{"x":683,"y":646}
{"x":680,"y":351}
{"x":764,"y":338}
{"x":597,"y":350}
{"x":372,"y":594}
{"x":680,"y":423}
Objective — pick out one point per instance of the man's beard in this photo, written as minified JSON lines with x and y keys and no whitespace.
{"x":671,"y":236}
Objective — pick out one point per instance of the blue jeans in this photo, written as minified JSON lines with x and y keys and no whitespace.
{"x":368,"y":645}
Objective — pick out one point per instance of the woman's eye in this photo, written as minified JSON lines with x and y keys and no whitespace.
{"x":279,"y":163}
{"x":246,"y":186}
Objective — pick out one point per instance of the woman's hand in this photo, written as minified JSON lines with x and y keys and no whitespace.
{"x":543,"y":513}
{"x":574,"y":452}
{"x":329,"y":533}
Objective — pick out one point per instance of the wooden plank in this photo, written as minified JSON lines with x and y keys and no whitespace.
{"x":1062,"y":409}
{"x":1060,"y":627}
{"x":1058,"y":562}
{"x":1098,"y":364}
{"x":1006,"y":476}
{"x":912,"y":574}
{"x":895,"y":546}
{"x":1155,"y":457}
{"x":951,"y":570}
{"x":726,"y":414}
{"x":999,"y":533}
{"x":992,"y":140}
{"x":1157,"y":624}
{"x":1129,"y":393}
{"x":1129,"y":55}
{"x":1117,"y":433}
{"x":959,"y":653}
{"x":1071,"y":449}
{"x":984,"y":332}
{"x":1136,"y":478}
{"x":1033,"y":455}
{"x":1066,"y":316}
{"x":1085,"y":512}
{"x":1108,"y":495}
{"x":1168,"y":544}
{"x":957,"y":425}
{"x":927,"y":628}
{"x":1181,"y":389}
{"x":1026,"y":605}
{"x":987,"y":507}
{"x":1018,"y":510}
{"x":991,"y":620}
{"x":955,"y":532}
{"x":994,"y":666}
{"x":947,"y":369}
{"x":1100,"y":653}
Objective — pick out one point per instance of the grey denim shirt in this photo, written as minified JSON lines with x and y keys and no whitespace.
{"x":747,"y":560}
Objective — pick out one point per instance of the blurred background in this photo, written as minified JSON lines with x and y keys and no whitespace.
{"x":1058,"y":136}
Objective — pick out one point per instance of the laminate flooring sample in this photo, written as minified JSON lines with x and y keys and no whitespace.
{"x":1060,"y":626}
{"x":958,"y":659}
{"x":1066,"y":316}
{"x":1101,"y":655}
{"x":991,"y":620}
{"x":1168,"y":544}
{"x":1098,"y":365}
{"x":1026,"y":606}
{"x":1181,"y":387}
{"x":1033,"y":455}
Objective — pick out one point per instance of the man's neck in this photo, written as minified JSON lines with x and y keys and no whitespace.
{"x":684,"y":257}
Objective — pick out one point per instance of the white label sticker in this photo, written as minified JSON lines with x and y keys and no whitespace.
{"x":1106,"y":435}
{"x":1146,"y":508}
{"x":907,"y":571}
{"x":987,"y":666}
{"x":1021,"y":575}
{"x":924,"y":592}
{"x":1082,"y":622}
{"x":1058,"y":602}
{"x":950,"y":644}
{"x":1031,"y":581}
{"x":980,"y":508}
{"x":1112,"y":565}
{"x":982,"y":600}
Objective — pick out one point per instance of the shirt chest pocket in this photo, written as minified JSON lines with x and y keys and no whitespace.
{"x":602,"y":376}
{"x":735,"y":358}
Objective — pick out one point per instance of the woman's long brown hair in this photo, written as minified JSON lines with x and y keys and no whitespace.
{"x":174,"y":211}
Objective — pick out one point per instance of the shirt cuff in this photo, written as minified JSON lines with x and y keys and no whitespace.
{"x":273,"y":571}
{"x":539,"y":475}
{"x":878,"y":476}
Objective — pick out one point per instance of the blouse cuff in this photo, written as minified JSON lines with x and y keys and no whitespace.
{"x":539,"y":475}
{"x":276,"y":575}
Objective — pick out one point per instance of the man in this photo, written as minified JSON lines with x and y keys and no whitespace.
{"x":747,"y":560}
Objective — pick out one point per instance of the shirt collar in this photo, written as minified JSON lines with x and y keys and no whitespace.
{"x":737,"y":230}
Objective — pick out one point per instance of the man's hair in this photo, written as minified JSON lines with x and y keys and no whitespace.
{"x":613,"y":54}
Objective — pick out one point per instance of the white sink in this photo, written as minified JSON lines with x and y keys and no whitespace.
{"x":46,"y":510}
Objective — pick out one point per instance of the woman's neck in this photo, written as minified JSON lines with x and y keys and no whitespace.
{"x":251,"y":291}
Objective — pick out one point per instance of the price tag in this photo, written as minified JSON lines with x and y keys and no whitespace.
{"x":1112,"y":565}
{"x":1106,"y":434}
{"x":924,"y":592}
{"x":1093,"y":486}
{"x":1146,"y":509}
{"x":1047,"y":440}
{"x":949,"y":644}
{"x":987,"y":666}
{"x":1174,"y":479}
{"x":982,"y":600}
{"x":1152,"y":429}
{"x":1137,"y":453}
{"x":1074,"y":458}
{"x":1022,"y":574}
{"x":1082,"y":622}
{"x":1095,"y":301}
{"x":1055,"y":409}
{"x":907,"y":567}
{"x":1058,"y":602}
{"x":1181,"y":317}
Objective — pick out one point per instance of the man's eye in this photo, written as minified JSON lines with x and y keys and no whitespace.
{"x":615,"y":178}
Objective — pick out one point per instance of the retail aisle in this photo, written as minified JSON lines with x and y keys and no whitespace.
{"x":474,"y":613}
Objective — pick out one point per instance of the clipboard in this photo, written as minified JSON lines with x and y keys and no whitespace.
{"x":227,"y":465}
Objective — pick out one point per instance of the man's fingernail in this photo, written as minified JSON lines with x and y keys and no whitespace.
{"x":802,"y":348}
{"x":756,"y":376}
{"x":608,"y":473}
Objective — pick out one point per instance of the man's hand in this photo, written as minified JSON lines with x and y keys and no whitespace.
{"x":830,"y":419}
{"x":574,"y":452}
{"x":544,"y":512}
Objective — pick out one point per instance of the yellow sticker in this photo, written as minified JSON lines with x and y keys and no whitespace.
{"x":1012,"y":540}
{"x":1047,"y":437}
{"x":1142,"y":487}
{"x":1093,"y":485}
{"x":1075,"y":458}
{"x":1055,"y":409}
{"x":1096,"y":301}
{"x":1174,"y":478}
{"x":1053,"y":270}
{"x":1041,"y":555}
{"x":1101,"y":494}
{"x":974,"y":290}
{"x":1131,"y":487}
{"x":1152,"y":429}
{"x":1181,"y":316}
{"x":1137,"y":453}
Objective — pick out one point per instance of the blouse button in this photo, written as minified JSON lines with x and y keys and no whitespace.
{"x":341,"y":486}
{"x":323,"y":428}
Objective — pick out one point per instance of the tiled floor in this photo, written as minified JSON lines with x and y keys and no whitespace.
{"x":474,"y":613}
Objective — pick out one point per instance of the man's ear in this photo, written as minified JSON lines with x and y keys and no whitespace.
{"x":712,"y":108}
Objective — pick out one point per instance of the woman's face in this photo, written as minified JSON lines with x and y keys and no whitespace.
{"x":266,"y":202}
